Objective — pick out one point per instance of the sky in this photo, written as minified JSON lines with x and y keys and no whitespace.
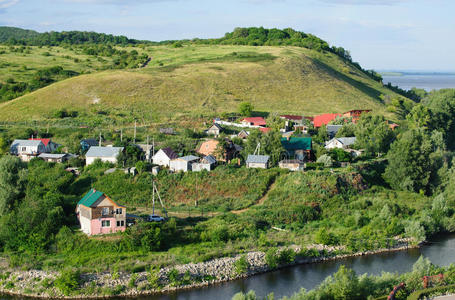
{"x":414,"y":35}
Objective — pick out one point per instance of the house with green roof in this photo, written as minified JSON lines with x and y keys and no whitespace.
{"x":297,"y":147}
{"x":99,"y":214}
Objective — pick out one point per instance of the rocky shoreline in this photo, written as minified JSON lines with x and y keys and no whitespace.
{"x":39,"y":284}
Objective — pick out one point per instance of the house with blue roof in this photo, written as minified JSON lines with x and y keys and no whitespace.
{"x":99,"y":214}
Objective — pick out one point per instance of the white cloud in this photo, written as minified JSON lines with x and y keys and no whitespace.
{"x":7,"y":3}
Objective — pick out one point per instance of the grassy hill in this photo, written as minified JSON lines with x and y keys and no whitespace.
{"x":197,"y":81}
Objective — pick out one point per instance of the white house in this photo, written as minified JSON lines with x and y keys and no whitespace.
{"x":206,"y":163}
{"x":164,"y":156}
{"x":342,"y":143}
{"x":106,"y":154}
{"x":183,"y":163}
{"x":27,"y":149}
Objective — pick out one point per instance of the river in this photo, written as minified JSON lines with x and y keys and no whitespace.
{"x":427,"y":82}
{"x":440,"y":250}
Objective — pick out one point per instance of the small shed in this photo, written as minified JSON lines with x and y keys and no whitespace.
{"x":215,"y":130}
{"x":257,"y":161}
{"x":183,"y":163}
{"x":168,"y":131}
{"x":292,"y":164}
{"x":206,"y":163}
{"x":243,"y":134}
{"x":57,"y":158}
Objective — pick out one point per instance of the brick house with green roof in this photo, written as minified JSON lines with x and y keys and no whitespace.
{"x":297,"y":147}
{"x":99,"y":214}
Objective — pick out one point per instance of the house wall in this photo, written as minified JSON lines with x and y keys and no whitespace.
{"x":96,"y":228}
{"x":89,"y":159}
{"x":161,"y":159}
{"x":257,"y":165}
{"x":292,"y":167}
{"x":179,"y":165}
{"x":334,"y":144}
{"x":199,"y":167}
{"x":28,"y":149}
{"x":85,"y":225}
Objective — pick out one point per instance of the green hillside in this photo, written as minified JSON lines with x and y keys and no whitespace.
{"x":206,"y":80}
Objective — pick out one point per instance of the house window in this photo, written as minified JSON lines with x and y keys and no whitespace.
{"x":105,"y":211}
{"x":118,"y":211}
{"x":105,"y":223}
{"x":120,"y":223}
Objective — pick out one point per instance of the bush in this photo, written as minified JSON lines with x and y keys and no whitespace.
{"x":286,"y":256}
{"x":173,"y":276}
{"x":271,"y":258}
{"x":68,"y":282}
{"x":241,"y":265}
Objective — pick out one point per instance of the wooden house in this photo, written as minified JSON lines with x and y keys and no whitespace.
{"x":257,"y":161}
{"x":98,"y":214}
{"x":297,"y":147}
{"x":27,"y":149}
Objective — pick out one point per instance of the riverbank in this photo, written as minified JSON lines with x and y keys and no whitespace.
{"x":40,"y":284}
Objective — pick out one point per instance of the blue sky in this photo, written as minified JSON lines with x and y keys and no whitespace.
{"x":381,"y":34}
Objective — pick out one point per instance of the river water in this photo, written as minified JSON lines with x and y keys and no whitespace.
{"x":427,"y":82}
{"x":285,"y":282}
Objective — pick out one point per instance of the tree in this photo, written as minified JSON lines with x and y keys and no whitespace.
{"x":373,"y":134}
{"x":3,"y":146}
{"x":245,"y":109}
{"x":323,"y":134}
{"x":348,"y":130}
{"x":270,"y":145}
{"x":12,"y":182}
{"x":411,"y":163}
{"x":419,"y":117}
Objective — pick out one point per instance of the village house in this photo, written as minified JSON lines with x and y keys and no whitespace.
{"x":292,"y":118}
{"x":56,"y":158}
{"x":49,"y":145}
{"x":210,"y":147}
{"x":324,"y":119}
{"x":292,"y":164}
{"x":243,"y":134}
{"x":105,"y":154}
{"x":164,"y":156}
{"x":341,"y":143}
{"x":27,"y":149}
{"x":87,"y":143}
{"x":215,"y":130}
{"x":206,"y":163}
{"x":333,"y":129}
{"x":183,"y":163}
{"x":98,"y":214}
{"x":257,"y":161}
{"x":297,"y":147}
{"x":167,"y":131}
{"x":355,"y":114}
{"x":254,"y":121}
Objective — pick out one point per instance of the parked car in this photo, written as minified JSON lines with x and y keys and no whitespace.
{"x":155,"y":218}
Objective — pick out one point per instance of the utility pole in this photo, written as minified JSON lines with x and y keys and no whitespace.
{"x":147,"y":155}
{"x":121,"y":134}
{"x":100,"y":140}
{"x":134,"y":142}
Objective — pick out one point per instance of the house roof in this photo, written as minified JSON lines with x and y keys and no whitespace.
{"x":45,"y":141}
{"x":296,"y":143}
{"x":96,"y":151}
{"x":90,"y":198}
{"x":258,"y":159}
{"x":347,"y":140}
{"x":292,"y":117}
{"x":25,"y":143}
{"x":291,"y":161}
{"x":209,"y":159}
{"x":189,"y":158}
{"x":50,"y":155}
{"x":258,"y":121}
{"x":169,"y":153}
{"x":265,"y":129}
{"x":333,"y":128}
{"x":217,"y":126}
{"x":90,"y":142}
{"x":325,"y":119}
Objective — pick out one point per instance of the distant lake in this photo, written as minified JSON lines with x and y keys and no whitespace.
{"x":427,"y":82}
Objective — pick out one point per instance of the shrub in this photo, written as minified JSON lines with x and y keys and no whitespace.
{"x":286,"y":256}
{"x":68,"y":281}
{"x":132,"y":281}
{"x":154,"y":277}
{"x":241,"y":265}
{"x":271,"y":258}
{"x":173,"y":276}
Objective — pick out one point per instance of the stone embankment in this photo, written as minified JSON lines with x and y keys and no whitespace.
{"x":39,"y":283}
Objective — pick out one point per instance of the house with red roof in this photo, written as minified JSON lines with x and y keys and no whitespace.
{"x":49,"y":146}
{"x":324,"y":119}
{"x":265,"y":129}
{"x":254,"y":121}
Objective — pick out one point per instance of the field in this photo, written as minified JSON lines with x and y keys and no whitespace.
{"x":195,"y":81}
